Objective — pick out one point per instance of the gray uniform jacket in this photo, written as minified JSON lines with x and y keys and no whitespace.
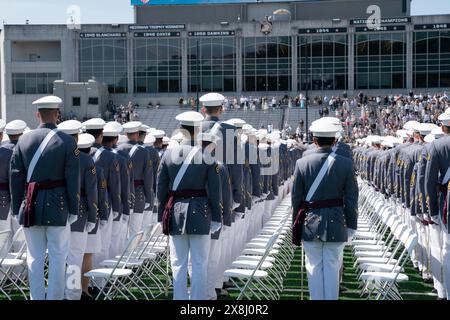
{"x":143,"y":172}
{"x":6,"y":151}
{"x":111,"y":170}
{"x":438,"y":163}
{"x":59,"y":161}
{"x":339,"y":182}
{"x":199,"y":176}
{"x":124,"y":184}
{"x":88,"y":194}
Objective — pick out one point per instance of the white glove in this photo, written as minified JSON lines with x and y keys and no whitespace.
{"x":255,"y":198}
{"x":215,"y":226}
{"x":350,"y":234}
{"x":115,"y":214}
{"x":235,"y":205}
{"x":147,"y":207}
{"x":90,"y":226}
{"x":420,"y":216}
{"x":15,"y":217}
{"x":125,"y":218}
{"x":103,"y":223}
{"x":131,"y":211}
{"x":435,"y":219}
{"x":72,"y":218}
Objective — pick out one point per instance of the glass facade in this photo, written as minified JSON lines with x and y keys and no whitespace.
{"x":431,"y":58}
{"x":34,"y":83}
{"x":157,"y":65}
{"x":380,"y":61}
{"x":106,"y":60}
{"x":266,"y":64}
{"x":326,"y":58}
{"x":215,"y":64}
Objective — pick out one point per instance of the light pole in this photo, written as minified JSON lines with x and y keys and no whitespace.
{"x":198,"y":77}
{"x":307,"y":86}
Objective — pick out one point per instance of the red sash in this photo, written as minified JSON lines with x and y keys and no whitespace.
{"x":32,"y":191}
{"x":301,"y":215}
{"x":187,"y":193}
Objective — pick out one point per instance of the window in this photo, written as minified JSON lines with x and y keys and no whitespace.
{"x":215,"y":67}
{"x":380,"y":61}
{"x":157,"y":65}
{"x":34,"y":83}
{"x":76,"y":101}
{"x":431,"y":59}
{"x":324,"y":59}
{"x":106,"y":60}
{"x":93,"y":101}
{"x":267,"y":64}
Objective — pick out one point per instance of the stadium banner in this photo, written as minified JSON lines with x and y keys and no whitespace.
{"x":88,"y":35}
{"x":380,"y":29}
{"x":188,"y":2}
{"x":211,"y":33}
{"x":156,"y":34}
{"x":434,"y":26}
{"x":382,"y":21}
{"x":322,"y":30}
{"x":154,"y":27}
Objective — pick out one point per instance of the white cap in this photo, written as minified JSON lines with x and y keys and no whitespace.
{"x":122,"y":139}
{"x":424,"y":128}
{"x":212,"y":99}
{"x":437,"y":132}
{"x":177,"y":136}
{"x":112,"y":129}
{"x":70,"y":126}
{"x":158,"y":134}
{"x":387,"y":143}
{"x":48,"y":102}
{"x":445,"y":118}
{"x":238,"y":123}
{"x":149,"y":140}
{"x":172,"y":144}
{"x":2,"y":125}
{"x":85,"y":140}
{"x":209,"y":137}
{"x":375,"y":139}
{"x":247,"y":128}
{"x":132,"y":127}
{"x":94,"y":124}
{"x":144,"y":127}
{"x":429,"y":138}
{"x":410,"y":124}
{"x":324,"y":129}
{"x":15,"y":127}
{"x":402,"y":133}
{"x":166,"y":140}
{"x":190,"y":118}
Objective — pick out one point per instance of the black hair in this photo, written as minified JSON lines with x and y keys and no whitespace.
{"x":85,"y":150}
{"x":210,"y":110}
{"x":325,"y":141}
{"x":142,"y":133}
{"x":95,"y":132}
{"x":190,"y":129}
{"x":108,"y":139}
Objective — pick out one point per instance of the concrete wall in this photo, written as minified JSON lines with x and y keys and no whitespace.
{"x":40,"y":51}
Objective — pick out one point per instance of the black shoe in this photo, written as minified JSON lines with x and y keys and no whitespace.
{"x":93,"y":291}
{"x":221,"y":293}
{"x":441,"y":298}
{"x":228,"y":284}
{"x":342,"y":289}
{"x":428,"y":280}
{"x":434,"y":290}
{"x":86,"y":296}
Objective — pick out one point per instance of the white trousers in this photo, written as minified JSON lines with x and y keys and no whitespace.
{"x":116,"y":245}
{"x":422,"y":248}
{"x":135,"y":223}
{"x":446,"y":259}
{"x":5,"y":241}
{"x":77,"y":249}
{"x":56,"y":240}
{"x":105,"y":236}
{"x":148,"y":218}
{"x":322,"y":262}
{"x":435,"y":233}
{"x":197,"y":246}
{"x":213,"y":269}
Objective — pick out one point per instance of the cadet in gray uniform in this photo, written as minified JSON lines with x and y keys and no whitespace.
{"x":142,"y":173}
{"x":437,"y":175}
{"x":189,"y":197}
{"x":45,"y":195}
{"x":105,"y":158}
{"x":14,"y":130}
{"x":330,"y":214}
{"x":86,"y":220}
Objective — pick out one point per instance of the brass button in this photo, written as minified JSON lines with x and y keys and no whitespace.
{"x":331,"y":220}
{"x":195,"y":230}
{"x":48,"y":204}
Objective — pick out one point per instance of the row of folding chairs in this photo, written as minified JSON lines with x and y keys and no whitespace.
{"x":139,"y":272}
{"x":259,"y":271}
{"x":382,"y":246}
